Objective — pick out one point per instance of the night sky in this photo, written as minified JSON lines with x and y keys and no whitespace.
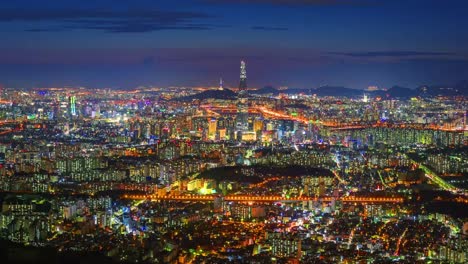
{"x":295,"y":43}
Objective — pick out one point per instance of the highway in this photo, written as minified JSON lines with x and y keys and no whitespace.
{"x":436,"y":179}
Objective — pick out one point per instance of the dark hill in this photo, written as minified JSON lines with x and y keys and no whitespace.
{"x":401,"y":92}
{"x":459,"y":89}
{"x":337,"y":91}
{"x":266,"y":90}
{"x":225,"y":94}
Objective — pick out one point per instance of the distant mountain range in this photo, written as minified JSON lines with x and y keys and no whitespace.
{"x":459,"y":89}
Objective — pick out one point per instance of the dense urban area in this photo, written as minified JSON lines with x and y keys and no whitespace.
{"x":234,"y":175}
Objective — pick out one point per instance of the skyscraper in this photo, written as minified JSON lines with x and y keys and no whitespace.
{"x":243,"y":77}
{"x":242,"y":98}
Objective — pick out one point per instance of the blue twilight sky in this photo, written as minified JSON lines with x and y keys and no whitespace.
{"x":295,"y":43}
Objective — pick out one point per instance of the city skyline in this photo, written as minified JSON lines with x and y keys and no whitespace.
{"x":302,"y":43}
{"x":234,"y":131}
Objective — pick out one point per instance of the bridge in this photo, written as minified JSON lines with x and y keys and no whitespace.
{"x":252,"y":198}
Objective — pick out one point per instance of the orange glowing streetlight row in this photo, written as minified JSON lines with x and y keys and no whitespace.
{"x":266,"y":198}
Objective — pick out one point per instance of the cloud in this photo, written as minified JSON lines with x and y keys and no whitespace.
{"x":122,"y":26}
{"x":44,"y":29}
{"x":397,"y":54}
{"x":111,"y":21}
{"x":269,"y":28}
{"x":301,"y":2}
{"x":438,"y":61}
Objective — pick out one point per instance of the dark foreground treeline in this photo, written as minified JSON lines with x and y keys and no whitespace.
{"x":16,"y":253}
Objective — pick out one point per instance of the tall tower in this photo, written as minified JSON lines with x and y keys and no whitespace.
{"x":221,"y":85}
{"x":242,"y":101}
{"x":243,"y":77}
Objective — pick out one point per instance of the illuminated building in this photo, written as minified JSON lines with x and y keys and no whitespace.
{"x":221,"y":123}
{"x":448,"y":164}
{"x":242,"y":101}
{"x":270,"y":126}
{"x":258,"y":125}
{"x":404,"y":136}
{"x":73,"y":105}
{"x":20,"y":214}
{"x":199,"y":123}
{"x":212,"y":125}
{"x":244,"y":211}
{"x":365,"y":99}
{"x":284,"y":245}
{"x":96,"y":112}
{"x":2,"y":159}
{"x":221,"y":133}
{"x":81,"y":164}
{"x":246,"y":135}
{"x":243,"y":77}
{"x":314,"y":158}
{"x":316,"y":186}
{"x":454,"y":251}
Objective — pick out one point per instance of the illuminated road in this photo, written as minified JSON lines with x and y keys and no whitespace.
{"x":339,"y":178}
{"x":351,"y":235}
{"x":382,"y":180}
{"x":10,"y":130}
{"x":5,"y":132}
{"x":335,"y":125}
{"x":338,"y":165}
{"x":4,"y":122}
{"x":250,"y":198}
{"x":397,"y":250}
{"x":436,"y":179}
